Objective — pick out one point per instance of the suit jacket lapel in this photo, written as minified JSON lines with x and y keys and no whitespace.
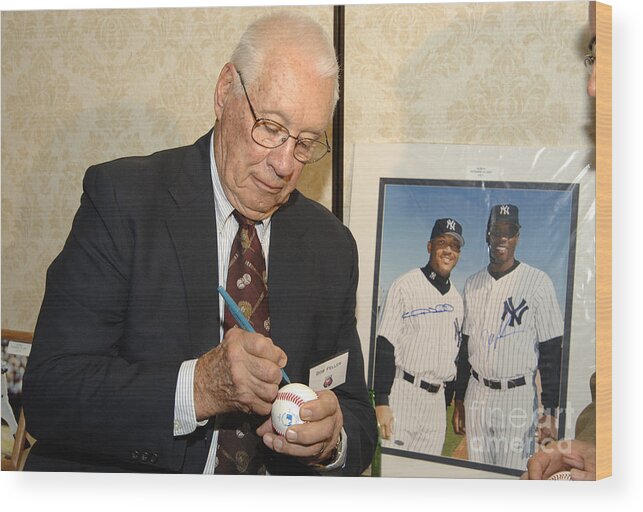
{"x":291,"y":281}
{"x":192,"y":226}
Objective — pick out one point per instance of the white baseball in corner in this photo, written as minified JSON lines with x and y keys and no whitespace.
{"x":285,"y":409}
{"x":561,"y":475}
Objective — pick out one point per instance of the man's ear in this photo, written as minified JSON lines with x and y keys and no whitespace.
{"x":428,"y":247}
{"x":224,"y":86}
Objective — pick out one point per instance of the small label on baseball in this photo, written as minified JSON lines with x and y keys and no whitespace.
{"x":285,"y":409}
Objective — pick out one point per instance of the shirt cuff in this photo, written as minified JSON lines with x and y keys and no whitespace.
{"x":184,"y":415}
{"x":340,"y":457}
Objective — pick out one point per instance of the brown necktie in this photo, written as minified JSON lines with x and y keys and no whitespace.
{"x":247,"y":282}
{"x":240,"y":450}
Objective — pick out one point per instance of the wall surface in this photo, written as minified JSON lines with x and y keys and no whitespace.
{"x":465,"y":73}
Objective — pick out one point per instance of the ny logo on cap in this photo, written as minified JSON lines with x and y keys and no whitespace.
{"x":451,"y":224}
{"x":504,"y":209}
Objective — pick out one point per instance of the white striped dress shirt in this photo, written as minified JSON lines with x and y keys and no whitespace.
{"x":227,"y":226}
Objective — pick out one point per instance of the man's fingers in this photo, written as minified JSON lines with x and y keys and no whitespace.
{"x":458,"y":418}
{"x":316,"y":410}
{"x":574,"y":461}
{"x":263,"y":369}
{"x":458,"y":427}
{"x":263,"y":395}
{"x":385,"y":420}
{"x":312,"y":433}
{"x":264,"y":348}
{"x":265,"y":428}
{"x":281,"y":444}
{"x":256,"y":394}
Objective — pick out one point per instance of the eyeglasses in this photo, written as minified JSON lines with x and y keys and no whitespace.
{"x":590,"y":60}
{"x":443,"y":243}
{"x":270,"y":134}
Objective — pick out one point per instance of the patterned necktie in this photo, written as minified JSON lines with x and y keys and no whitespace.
{"x":240,"y":450}
{"x":247,"y":282}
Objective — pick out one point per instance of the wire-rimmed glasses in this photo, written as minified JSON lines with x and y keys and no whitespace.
{"x":271,"y":134}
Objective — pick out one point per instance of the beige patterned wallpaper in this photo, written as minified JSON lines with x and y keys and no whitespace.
{"x":82,"y":87}
{"x":465,"y":73}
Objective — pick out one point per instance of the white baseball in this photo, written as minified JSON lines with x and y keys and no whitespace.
{"x":285,"y":409}
{"x":561,"y":475}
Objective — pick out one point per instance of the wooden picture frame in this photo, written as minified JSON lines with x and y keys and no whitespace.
{"x":603,"y":20}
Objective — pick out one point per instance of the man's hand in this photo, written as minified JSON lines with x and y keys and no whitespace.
{"x":546,"y":429}
{"x":582,"y":462}
{"x":314,"y":440}
{"x":241,"y":374}
{"x":578,"y":457}
{"x":458,"y":418}
{"x":385,"y":420}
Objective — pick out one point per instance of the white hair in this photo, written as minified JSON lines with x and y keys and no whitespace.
{"x":289,"y":31}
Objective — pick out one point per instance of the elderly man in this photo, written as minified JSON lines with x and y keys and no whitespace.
{"x":136,"y":365}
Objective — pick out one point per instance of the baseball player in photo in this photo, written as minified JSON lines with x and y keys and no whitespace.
{"x":417,"y":343}
{"x":513,"y":329}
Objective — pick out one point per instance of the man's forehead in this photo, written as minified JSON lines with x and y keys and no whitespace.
{"x":447,"y":237}
{"x":296,"y":95}
{"x":504,"y":225}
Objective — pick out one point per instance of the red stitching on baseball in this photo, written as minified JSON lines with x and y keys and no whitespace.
{"x":291,"y":397}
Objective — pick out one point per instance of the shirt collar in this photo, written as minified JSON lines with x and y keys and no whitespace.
{"x":498,"y":275}
{"x":442,"y":285}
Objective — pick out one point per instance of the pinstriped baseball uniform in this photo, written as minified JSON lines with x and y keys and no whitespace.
{"x":423,"y":325}
{"x":505,"y":320}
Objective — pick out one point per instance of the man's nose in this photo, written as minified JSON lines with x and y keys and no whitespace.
{"x":282,"y":158}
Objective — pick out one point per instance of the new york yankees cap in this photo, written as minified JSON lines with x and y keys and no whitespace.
{"x":447,"y":227}
{"x":503,"y":213}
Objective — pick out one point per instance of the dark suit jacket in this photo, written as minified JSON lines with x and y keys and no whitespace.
{"x":133,"y":294}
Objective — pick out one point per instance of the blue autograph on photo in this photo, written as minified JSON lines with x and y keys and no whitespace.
{"x":440,"y":308}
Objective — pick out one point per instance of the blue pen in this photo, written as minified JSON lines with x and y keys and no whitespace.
{"x":241,"y":319}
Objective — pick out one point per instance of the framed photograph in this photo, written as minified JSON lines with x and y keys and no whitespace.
{"x":414,"y":323}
